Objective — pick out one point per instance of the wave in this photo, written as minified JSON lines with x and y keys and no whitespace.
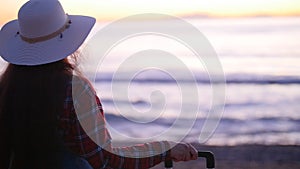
{"x":234,"y":121}
{"x":138,"y":102}
{"x":229,"y":130}
{"x":202,"y":78}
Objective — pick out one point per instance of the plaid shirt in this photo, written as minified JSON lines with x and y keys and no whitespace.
{"x":83,"y":129}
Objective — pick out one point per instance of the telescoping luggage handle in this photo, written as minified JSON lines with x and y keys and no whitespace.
{"x":209,"y":156}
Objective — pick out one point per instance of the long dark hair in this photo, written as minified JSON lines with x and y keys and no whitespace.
{"x":31,"y":99}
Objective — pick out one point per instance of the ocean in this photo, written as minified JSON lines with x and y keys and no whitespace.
{"x":260,"y":59}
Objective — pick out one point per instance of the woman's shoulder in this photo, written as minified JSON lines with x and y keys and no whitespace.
{"x":80,"y":80}
{"x":79,"y":90}
{"x":80,"y":84}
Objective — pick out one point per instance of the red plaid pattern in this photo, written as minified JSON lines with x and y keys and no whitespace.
{"x":77,"y":140}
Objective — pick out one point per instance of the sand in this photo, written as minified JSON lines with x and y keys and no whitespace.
{"x":247,"y":157}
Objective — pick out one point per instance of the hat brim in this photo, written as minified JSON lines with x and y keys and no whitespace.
{"x":17,"y":51}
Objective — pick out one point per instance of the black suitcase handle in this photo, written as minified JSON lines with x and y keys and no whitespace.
{"x":209,"y":156}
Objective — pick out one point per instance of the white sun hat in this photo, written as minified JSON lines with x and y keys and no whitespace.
{"x":43,"y":33}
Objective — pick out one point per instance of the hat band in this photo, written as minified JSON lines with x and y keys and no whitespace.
{"x":47,"y":37}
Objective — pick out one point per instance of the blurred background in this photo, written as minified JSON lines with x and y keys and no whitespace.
{"x":257,"y":43}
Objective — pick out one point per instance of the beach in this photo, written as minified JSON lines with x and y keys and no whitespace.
{"x":246,"y":157}
{"x":242,"y":156}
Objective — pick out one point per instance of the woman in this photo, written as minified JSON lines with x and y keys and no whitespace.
{"x":41,"y":115}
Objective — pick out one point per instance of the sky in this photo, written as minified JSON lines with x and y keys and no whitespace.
{"x":107,"y":10}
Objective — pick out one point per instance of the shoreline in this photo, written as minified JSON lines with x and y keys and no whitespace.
{"x":244,"y":156}
{"x":250,"y":156}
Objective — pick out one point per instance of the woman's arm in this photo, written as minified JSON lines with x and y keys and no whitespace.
{"x":86,"y":134}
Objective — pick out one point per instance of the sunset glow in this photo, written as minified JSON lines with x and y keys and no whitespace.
{"x":115,"y":9}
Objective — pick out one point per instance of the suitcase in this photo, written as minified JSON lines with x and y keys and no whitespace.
{"x":209,"y":156}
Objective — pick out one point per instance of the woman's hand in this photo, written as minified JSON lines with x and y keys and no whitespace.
{"x":183,"y":152}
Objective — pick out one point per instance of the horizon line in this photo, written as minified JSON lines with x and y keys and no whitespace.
{"x":202,"y":16}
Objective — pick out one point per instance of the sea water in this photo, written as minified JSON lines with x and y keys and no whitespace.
{"x":260,"y":58}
